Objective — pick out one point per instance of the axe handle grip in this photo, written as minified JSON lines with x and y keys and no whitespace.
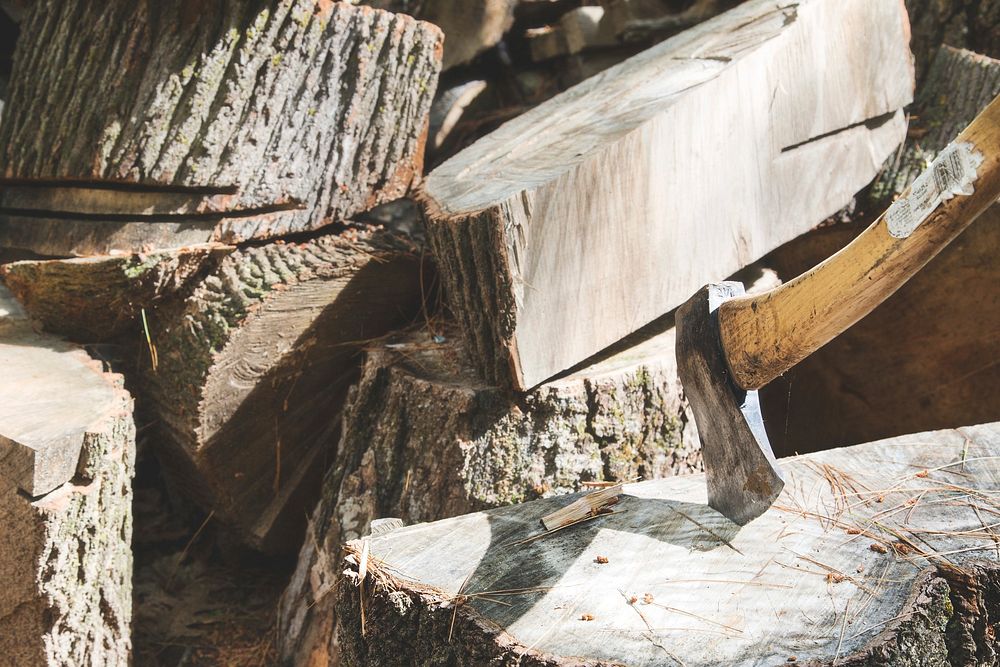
{"x":766,"y":334}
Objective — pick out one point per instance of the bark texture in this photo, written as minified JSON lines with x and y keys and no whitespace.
{"x":65,"y":557}
{"x":424,"y":439}
{"x":99,"y":298}
{"x":253,"y":367}
{"x":969,"y":24}
{"x":850,"y":580}
{"x":925,"y":358}
{"x":270,"y":116}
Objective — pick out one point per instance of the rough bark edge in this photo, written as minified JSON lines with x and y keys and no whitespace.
{"x":948,"y":615}
{"x":100,"y":298}
{"x":84,"y":571}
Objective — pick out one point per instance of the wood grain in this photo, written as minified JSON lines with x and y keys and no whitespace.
{"x":598,"y":211}
{"x":876,"y":554}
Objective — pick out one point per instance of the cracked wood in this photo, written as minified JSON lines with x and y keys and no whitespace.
{"x":607,"y":206}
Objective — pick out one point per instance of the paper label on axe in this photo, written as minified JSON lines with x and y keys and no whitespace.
{"x":952,"y":173}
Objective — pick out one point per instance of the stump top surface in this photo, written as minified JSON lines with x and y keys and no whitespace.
{"x":833,"y":565}
{"x":51,"y":394}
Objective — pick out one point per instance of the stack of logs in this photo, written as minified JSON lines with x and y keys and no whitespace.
{"x":200,"y":186}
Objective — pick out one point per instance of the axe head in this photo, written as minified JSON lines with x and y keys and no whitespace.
{"x":743,"y":479}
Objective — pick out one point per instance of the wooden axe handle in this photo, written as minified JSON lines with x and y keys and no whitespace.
{"x":765,"y":335}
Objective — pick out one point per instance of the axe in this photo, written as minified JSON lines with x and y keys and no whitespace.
{"x":729,"y":344}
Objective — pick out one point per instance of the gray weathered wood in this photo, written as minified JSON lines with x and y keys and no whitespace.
{"x":51,"y":396}
{"x":424,"y":439}
{"x":65,"y":555}
{"x":254,"y":364}
{"x":215,"y":122}
{"x":607,"y":206}
{"x":91,"y":299}
{"x":882,"y":553}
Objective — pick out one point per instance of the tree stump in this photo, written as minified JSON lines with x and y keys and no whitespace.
{"x":425,"y":439}
{"x":252,"y":369}
{"x":222,"y":122}
{"x":879,"y":554}
{"x":67,"y":449}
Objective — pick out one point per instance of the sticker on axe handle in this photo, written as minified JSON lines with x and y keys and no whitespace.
{"x":952,"y":173}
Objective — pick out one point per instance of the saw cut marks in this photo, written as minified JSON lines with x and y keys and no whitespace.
{"x":607,"y":206}
{"x":853,"y":565}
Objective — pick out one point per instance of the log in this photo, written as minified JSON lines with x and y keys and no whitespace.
{"x":424,"y":439}
{"x":883,"y":553}
{"x":253,"y":366}
{"x":67,"y":448}
{"x":970,"y":24}
{"x":93,"y":299}
{"x":562,"y":225}
{"x":926,"y":358}
{"x":216,"y":122}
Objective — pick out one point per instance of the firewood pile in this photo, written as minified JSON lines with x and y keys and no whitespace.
{"x":282,"y":274}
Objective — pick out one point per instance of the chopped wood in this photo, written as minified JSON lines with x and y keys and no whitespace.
{"x":923,"y":359}
{"x":425,"y":439}
{"x":586,"y":218}
{"x":215,"y":122}
{"x":901,"y":608}
{"x":67,"y":445}
{"x":254,"y":366}
{"x":91,"y":299}
{"x":589,"y":505}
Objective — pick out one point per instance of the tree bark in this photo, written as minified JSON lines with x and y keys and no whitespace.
{"x":924,"y":359}
{"x":585,"y":219}
{"x":424,"y":439}
{"x":221,"y":121}
{"x":969,"y":24}
{"x":253,"y":367}
{"x":65,"y":553}
{"x":95,"y":299}
{"x":873,"y":555}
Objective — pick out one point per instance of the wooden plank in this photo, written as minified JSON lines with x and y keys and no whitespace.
{"x":605,"y":207}
{"x":216,"y":122}
{"x":254,"y":364}
{"x":65,"y":554}
{"x":853,"y":565}
{"x":926,"y":358}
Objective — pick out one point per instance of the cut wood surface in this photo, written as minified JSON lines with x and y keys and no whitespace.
{"x":926,"y":358}
{"x":883,"y":553}
{"x":51,"y":396}
{"x":65,"y":554}
{"x":598,"y":211}
{"x":424,"y":439}
{"x":215,"y":122}
{"x":253,"y":366}
{"x":91,"y":299}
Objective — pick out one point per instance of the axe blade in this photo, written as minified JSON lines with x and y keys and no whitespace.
{"x":743,"y":478}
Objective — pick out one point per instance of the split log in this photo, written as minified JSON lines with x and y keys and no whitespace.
{"x":832,"y":574}
{"x":970,"y":24}
{"x":926,"y":358}
{"x":67,"y":448}
{"x":578,"y":29}
{"x":424,"y":439}
{"x":254,"y":365}
{"x":218,"y":122}
{"x":586,"y":218}
{"x":91,"y":299}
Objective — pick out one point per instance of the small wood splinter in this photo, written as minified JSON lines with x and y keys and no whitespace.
{"x":586,"y":506}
